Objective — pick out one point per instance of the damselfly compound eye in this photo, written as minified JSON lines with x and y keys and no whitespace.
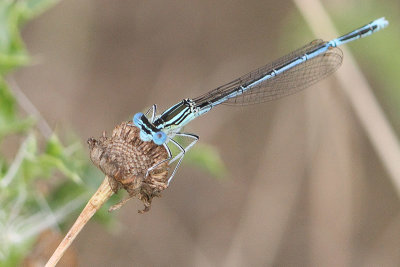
{"x":136,"y":118}
{"x":159,"y":138}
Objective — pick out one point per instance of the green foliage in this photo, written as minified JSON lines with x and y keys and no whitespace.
{"x":27,"y":205}
{"x":9,"y":123}
{"x":12,"y":15}
{"x":206,"y":158}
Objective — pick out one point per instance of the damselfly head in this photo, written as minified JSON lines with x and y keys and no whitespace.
{"x":137,"y":119}
{"x":147,"y":130}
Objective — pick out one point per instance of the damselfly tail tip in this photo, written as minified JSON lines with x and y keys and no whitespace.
{"x":381,"y":23}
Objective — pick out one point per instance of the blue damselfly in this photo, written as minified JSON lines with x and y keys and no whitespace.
{"x":284,"y":76}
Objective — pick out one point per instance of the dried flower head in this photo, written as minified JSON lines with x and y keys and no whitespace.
{"x":125,"y":159}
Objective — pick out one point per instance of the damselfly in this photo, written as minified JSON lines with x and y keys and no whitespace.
{"x":284,"y":76}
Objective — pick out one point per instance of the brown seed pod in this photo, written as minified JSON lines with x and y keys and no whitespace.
{"x":125,"y":159}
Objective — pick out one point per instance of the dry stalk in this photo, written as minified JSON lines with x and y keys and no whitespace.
{"x":124,"y":159}
{"x":96,"y":201}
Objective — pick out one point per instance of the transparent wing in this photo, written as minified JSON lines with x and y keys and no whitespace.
{"x":283,"y":84}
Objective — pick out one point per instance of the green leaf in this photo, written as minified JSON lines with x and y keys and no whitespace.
{"x":201,"y":156}
{"x":32,"y":8}
{"x":54,"y":147}
{"x":7,"y":103}
{"x":9,"y":123}
{"x":206,"y":158}
{"x":12,"y":49}
{"x":21,"y":193}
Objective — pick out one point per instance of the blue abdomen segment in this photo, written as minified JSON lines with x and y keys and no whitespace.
{"x":361,"y":32}
{"x":288,"y":74}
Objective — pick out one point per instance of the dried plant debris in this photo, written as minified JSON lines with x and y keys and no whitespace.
{"x":125,"y":159}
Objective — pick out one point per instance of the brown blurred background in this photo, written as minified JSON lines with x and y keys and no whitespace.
{"x":305,"y":186}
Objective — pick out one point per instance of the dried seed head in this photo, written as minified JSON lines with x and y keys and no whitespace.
{"x":125,"y":159}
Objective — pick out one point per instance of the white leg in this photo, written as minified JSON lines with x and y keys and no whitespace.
{"x":180,"y":156}
{"x":153,"y":114}
{"x":193,"y":136}
{"x":161,"y":162}
{"x":183,"y":151}
{"x":195,"y":139}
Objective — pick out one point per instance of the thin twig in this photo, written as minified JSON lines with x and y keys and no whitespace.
{"x":30,"y":108}
{"x":16,"y":164}
{"x":98,"y":199}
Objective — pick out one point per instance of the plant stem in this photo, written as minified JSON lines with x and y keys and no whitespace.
{"x":102,"y":194}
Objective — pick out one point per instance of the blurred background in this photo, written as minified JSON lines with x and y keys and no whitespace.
{"x":304,"y":184}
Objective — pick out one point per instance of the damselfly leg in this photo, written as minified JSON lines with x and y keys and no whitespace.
{"x":182,"y":149}
{"x":179,"y":144}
